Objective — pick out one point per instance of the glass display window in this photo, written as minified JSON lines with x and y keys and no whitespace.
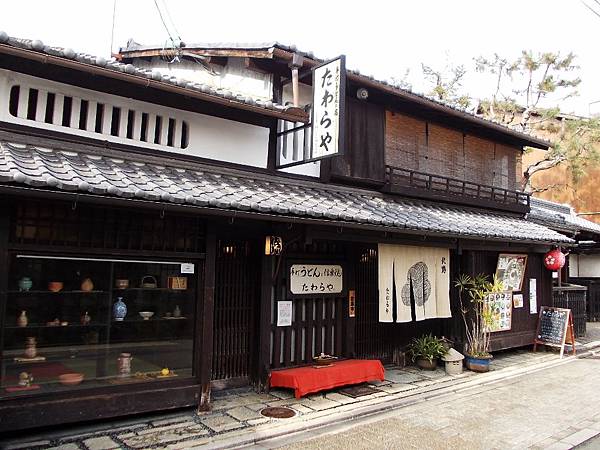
{"x":75,"y":322}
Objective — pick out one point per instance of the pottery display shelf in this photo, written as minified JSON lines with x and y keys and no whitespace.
{"x":44,"y":326}
{"x":45,"y":291}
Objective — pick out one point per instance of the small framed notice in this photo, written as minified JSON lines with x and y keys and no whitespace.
{"x":517,"y":300}
{"x":187,"y":268}
{"x":284,"y":314}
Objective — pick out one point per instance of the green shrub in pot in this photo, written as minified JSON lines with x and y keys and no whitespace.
{"x":426,"y":350}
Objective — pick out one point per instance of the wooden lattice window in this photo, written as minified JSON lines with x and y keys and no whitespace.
{"x":92,"y":227}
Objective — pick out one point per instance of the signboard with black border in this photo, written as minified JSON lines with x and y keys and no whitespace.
{"x":316,"y":292}
{"x":338,"y":63}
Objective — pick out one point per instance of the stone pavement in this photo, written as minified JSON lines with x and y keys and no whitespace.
{"x":553,"y":409}
{"x":236,"y":420}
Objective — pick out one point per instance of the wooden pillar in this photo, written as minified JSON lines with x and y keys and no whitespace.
{"x":4,"y":225}
{"x":264,"y":349}
{"x":350,"y":322}
{"x":205,"y":342}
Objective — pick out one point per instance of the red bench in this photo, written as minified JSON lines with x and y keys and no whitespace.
{"x":305,"y":380}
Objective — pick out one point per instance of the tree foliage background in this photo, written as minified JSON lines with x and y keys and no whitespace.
{"x":525,"y":93}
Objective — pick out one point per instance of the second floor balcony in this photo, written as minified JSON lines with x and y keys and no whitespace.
{"x":436,"y":187}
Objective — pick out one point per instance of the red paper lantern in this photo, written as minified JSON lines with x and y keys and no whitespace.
{"x":554,"y":260}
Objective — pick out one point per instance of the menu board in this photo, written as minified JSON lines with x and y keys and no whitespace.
{"x":511,"y":270}
{"x":555,"y":328}
{"x":553,"y":325}
{"x":499,"y":305}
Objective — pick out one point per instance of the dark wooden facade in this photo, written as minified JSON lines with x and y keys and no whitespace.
{"x":236,"y":340}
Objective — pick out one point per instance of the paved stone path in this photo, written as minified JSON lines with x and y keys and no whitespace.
{"x":236,"y":413}
{"x":556,"y":408}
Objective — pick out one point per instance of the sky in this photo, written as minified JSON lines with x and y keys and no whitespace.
{"x":378,"y":37}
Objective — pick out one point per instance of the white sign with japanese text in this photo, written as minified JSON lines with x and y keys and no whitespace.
{"x":328,"y":101}
{"x":284,"y":314}
{"x":533,"y":296}
{"x":316,"y":279}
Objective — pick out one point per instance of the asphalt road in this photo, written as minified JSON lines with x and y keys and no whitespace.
{"x":553,"y":408}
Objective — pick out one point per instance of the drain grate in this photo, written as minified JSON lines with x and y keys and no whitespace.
{"x":278,"y":412}
{"x":358,"y":391}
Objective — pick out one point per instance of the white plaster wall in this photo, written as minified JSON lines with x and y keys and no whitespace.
{"x":234,"y":76}
{"x":585,"y":266}
{"x":209,"y":137}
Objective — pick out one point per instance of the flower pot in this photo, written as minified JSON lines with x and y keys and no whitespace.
{"x":478,"y":363}
{"x":425,"y":364}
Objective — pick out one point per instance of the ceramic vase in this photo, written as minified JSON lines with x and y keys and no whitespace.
{"x":85,"y":319}
{"x":119,"y":309}
{"x":25,"y":284}
{"x":124,"y":364}
{"x":22,"y":320}
{"x":87,"y":285}
{"x":30,"y":347}
{"x":177,"y":311}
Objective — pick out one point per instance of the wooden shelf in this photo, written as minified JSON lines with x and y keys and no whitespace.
{"x":158,"y":319}
{"x":54,"y":293}
{"x":152,"y":289}
{"x":75,"y":325}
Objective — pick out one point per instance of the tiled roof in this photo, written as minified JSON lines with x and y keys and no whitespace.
{"x":560,"y":217}
{"x":155,"y":75}
{"x":95,"y":171}
{"x":133,"y":46}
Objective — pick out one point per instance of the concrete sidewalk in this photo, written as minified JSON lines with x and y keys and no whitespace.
{"x":236,"y":421}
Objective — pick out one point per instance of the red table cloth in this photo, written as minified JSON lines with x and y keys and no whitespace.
{"x":305,"y":380}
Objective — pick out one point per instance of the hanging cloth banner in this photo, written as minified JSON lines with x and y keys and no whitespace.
{"x":420,"y":274}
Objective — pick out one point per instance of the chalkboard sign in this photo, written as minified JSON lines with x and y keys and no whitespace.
{"x":555,"y":328}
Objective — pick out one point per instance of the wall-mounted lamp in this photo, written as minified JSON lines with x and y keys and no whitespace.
{"x":228,"y":249}
{"x":273,"y":245}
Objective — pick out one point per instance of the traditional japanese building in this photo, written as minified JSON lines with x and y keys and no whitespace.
{"x":163,"y":231}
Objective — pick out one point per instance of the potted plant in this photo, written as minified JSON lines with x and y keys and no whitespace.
{"x":472,"y":292}
{"x":426,"y":350}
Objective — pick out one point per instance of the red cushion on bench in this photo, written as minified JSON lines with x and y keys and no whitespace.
{"x":305,"y":380}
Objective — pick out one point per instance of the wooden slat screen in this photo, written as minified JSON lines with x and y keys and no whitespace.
{"x":317,"y":326}
{"x":371,"y":341}
{"x":236,"y":297}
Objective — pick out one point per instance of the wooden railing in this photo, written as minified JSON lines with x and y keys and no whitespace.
{"x":427,"y":185}
{"x":573,"y":297}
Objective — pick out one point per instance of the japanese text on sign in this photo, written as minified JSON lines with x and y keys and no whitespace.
{"x":327,"y":99}
{"x":316,"y":279}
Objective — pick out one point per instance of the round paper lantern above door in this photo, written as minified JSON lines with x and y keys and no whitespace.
{"x":554,"y":259}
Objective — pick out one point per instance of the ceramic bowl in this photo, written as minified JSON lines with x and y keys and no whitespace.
{"x":146,"y":314}
{"x":55,"y":286}
{"x":324,"y":360}
{"x":121,"y":283}
{"x":70,"y":379}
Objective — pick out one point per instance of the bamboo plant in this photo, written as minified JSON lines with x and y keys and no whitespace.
{"x":472,"y":292}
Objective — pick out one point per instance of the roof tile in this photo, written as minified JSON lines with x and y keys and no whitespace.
{"x":126,"y":177}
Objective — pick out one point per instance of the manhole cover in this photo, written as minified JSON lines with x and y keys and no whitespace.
{"x":358,"y":391}
{"x":278,"y":412}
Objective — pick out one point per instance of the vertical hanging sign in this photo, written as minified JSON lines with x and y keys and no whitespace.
{"x":329,"y":86}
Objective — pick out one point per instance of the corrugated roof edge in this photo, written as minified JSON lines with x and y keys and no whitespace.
{"x":528,"y":138}
{"x":155,"y":77}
